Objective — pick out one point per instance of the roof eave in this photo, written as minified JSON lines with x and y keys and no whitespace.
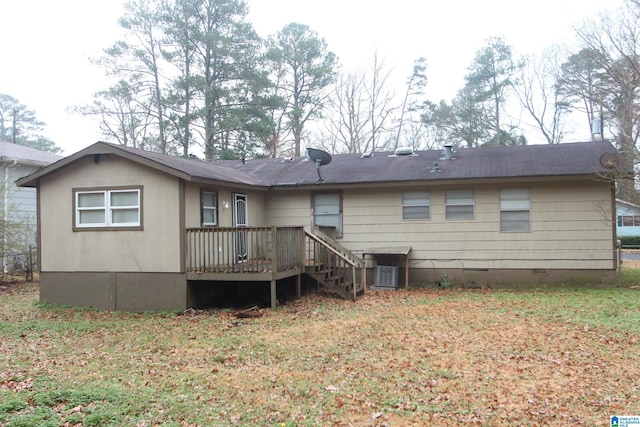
{"x":434,"y":182}
{"x":97,"y":149}
{"x":234,"y":184}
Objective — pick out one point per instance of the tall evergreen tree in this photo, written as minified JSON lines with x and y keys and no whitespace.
{"x":225,"y":49}
{"x":489,"y":79}
{"x":19,"y":125}
{"x":16,"y":120}
{"x":305,"y":67}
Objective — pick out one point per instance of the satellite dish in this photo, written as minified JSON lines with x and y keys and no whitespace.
{"x":609,"y":161}
{"x":320,"y":158}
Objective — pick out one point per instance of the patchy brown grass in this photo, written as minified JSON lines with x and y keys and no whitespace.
{"x":404,"y":358}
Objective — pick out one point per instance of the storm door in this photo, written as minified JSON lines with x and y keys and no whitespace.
{"x":240,"y":219}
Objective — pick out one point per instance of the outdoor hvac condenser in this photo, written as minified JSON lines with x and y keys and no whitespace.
{"x":386,"y":276}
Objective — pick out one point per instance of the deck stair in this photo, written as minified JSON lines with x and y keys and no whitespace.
{"x":333,"y":266}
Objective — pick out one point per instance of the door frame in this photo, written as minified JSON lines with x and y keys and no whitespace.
{"x":240,"y":220}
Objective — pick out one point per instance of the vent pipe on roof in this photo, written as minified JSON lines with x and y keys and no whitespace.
{"x":448,"y":152}
{"x":403,"y":151}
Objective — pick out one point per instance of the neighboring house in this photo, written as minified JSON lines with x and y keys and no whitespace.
{"x":628,"y":219}
{"x":125,"y":229}
{"x":19,"y":203}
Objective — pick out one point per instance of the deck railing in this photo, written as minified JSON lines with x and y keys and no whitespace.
{"x":244,"y":249}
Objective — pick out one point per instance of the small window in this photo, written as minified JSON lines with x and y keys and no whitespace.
{"x":107,"y":208}
{"x":459,"y":204}
{"x":415,"y":205}
{"x":209,"y":201}
{"x":515,"y":208}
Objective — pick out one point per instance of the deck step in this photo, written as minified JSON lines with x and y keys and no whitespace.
{"x":336,"y":284}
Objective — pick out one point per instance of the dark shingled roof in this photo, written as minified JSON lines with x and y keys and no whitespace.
{"x":478,"y":163}
{"x":558,"y":160}
{"x":196,"y":168}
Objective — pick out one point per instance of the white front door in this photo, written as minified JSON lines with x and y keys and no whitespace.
{"x":240,"y":219}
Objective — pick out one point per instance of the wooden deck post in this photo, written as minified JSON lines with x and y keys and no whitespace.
{"x":273,"y":295}
{"x":274,"y":265}
{"x":298,"y":286}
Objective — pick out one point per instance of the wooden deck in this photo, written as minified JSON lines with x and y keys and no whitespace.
{"x":264,"y":252}
{"x":269,"y":254}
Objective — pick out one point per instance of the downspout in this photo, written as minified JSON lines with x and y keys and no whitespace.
{"x":617,"y":247}
{"x":5,"y":210}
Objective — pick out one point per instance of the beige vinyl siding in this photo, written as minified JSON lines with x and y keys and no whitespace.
{"x":255,"y":205}
{"x":289,"y":208}
{"x":156,"y":248}
{"x":569,"y":229}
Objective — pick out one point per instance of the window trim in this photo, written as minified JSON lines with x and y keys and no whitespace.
{"x":340,"y":230}
{"x":448,"y":204}
{"x":202,"y":207}
{"x":427,"y":205}
{"x":628,"y":220}
{"x":515,"y":209}
{"x":106,"y":226}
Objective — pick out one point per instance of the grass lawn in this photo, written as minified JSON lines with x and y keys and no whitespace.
{"x":404,"y":358}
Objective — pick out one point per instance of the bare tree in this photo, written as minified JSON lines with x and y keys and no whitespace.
{"x":415,"y":85}
{"x":539,"y":93}
{"x":348,"y":124}
{"x":361,"y":109}
{"x":123,"y":115}
{"x":381,"y":103}
{"x":612,"y":44}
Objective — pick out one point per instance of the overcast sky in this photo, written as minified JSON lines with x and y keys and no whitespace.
{"x":46,"y":43}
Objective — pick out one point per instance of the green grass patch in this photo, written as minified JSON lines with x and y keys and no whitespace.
{"x":615,"y":309}
{"x":54,"y":404}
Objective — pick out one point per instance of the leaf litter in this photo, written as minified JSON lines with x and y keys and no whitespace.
{"x":391,"y":358}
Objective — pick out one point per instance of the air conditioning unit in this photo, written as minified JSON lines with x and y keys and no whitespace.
{"x":386,"y":276}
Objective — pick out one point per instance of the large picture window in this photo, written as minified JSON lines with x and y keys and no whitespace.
{"x":415,"y":205}
{"x":459,"y":204}
{"x":107,"y":208}
{"x":515,"y":208}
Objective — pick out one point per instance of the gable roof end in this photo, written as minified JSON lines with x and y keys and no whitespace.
{"x":187,"y":169}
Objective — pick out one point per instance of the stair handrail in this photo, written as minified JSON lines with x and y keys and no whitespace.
{"x":349,"y":258}
{"x":337,"y":248}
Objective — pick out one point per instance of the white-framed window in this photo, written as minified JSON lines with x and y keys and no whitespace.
{"x":209,"y":203}
{"x":415,"y":205}
{"x":459,"y":204}
{"x":515,"y":210}
{"x":107,"y":208}
{"x":327,"y":211}
{"x":628,"y":221}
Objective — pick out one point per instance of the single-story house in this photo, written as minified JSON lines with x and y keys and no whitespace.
{"x":126,"y":229}
{"x":628,"y":219}
{"x":19,"y":203}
